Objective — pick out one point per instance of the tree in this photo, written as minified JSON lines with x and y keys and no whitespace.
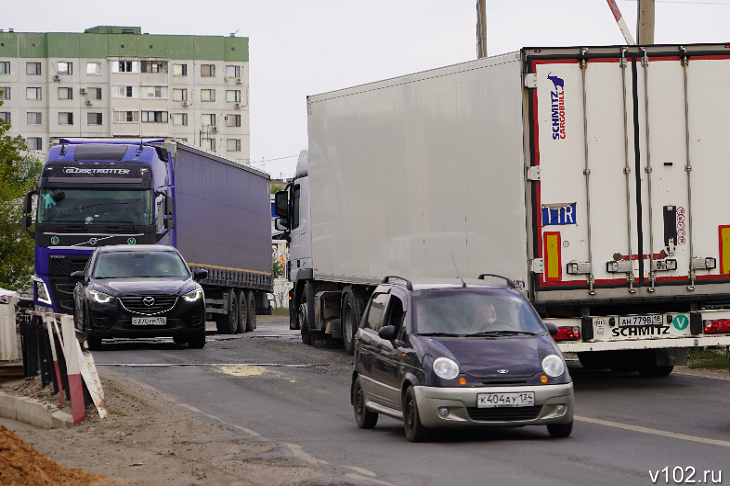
{"x":18,"y":174}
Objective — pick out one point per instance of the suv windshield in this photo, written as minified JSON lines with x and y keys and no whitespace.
{"x":139,"y":265}
{"x":475,"y":312}
{"x":95,"y":206}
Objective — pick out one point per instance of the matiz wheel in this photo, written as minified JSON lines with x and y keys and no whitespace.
{"x":365,"y":418}
{"x":560,"y":430}
{"x":415,"y":432}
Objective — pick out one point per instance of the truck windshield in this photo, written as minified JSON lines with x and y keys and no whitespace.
{"x":466,"y":312}
{"x":95,"y":206}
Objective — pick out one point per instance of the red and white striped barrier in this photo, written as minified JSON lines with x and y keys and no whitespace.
{"x":621,"y":23}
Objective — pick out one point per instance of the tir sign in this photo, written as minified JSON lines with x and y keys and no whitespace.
{"x":558,"y":214}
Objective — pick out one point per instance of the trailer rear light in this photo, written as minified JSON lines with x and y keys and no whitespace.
{"x":567,"y":333}
{"x":717,"y":326}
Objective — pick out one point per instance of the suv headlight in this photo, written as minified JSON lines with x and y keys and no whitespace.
{"x":446,"y":368}
{"x":196,"y":294}
{"x":553,"y":366}
{"x":100,"y":297}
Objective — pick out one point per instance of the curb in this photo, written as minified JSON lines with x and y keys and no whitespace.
{"x":33,"y":412}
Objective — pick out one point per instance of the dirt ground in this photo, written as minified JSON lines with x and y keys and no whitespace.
{"x":150,"y":439}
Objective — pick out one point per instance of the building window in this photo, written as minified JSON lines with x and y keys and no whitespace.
{"x":93,"y":118}
{"x":233,"y":120}
{"x":34,"y":143}
{"x":65,"y":67}
{"x":65,"y":118}
{"x":126,"y":116}
{"x":33,"y":68}
{"x":208,"y":144}
{"x":180,"y":119}
{"x":32,"y":93}
{"x":35,"y":118}
{"x":179,"y":69}
{"x":126,"y":91}
{"x":5,"y":116}
{"x":154,"y":117}
{"x":154,"y":91}
{"x":154,"y":66}
{"x":207,"y":95}
{"x":4,"y":67}
{"x":233,"y":71}
{"x":93,"y":68}
{"x":179,"y":94}
{"x":4,"y":92}
{"x":125,"y":67}
{"x":208,"y":120}
{"x":233,"y":95}
{"x":93,"y":93}
{"x":207,"y":70}
{"x":233,"y":145}
{"x":65,"y":93}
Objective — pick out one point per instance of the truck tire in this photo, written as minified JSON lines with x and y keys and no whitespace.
{"x":647,"y":366}
{"x":249,"y":302}
{"x":305,"y":313}
{"x":593,"y":360}
{"x":349,"y":321}
{"x":228,"y":323}
{"x":242,"y":311}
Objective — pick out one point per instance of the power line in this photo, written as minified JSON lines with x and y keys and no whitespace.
{"x":271,"y":160}
{"x":687,"y":2}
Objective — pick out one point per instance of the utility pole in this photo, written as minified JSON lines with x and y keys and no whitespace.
{"x":645,"y":22}
{"x":481,"y":29}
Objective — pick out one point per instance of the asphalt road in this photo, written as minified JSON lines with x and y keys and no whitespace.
{"x":628,"y":430}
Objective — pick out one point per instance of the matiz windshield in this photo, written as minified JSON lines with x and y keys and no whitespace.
{"x":466,"y":312}
{"x":95,"y":206}
{"x":158,"y":264}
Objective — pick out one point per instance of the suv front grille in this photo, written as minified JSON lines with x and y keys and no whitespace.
{"x":136,"y":304}
{"x":504,"y":414}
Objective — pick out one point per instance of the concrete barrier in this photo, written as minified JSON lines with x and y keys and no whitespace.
{"x":33,"y":412}
{"x":8,"y":334}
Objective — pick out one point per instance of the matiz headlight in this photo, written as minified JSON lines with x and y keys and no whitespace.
{"x":553,"y":366}
{"x":446,"y":368}
{"x":193,"y":296}
{"x":100,"y":297}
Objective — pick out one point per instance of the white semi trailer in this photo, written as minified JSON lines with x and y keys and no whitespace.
{"x":596,"y":179}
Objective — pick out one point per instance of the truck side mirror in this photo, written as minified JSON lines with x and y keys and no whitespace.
{"x":28,"y":212}
{"x":281,"y":204}
{"x":281,"y":224}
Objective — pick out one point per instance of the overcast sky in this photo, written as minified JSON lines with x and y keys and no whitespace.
{"x":305,"y":47}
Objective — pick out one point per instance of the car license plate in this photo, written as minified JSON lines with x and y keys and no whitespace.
{"x":490,"y":400}
{"x":149,"y":321}
{"x":650,"y":320}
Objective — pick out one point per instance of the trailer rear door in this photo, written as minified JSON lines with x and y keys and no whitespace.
{"x":632,"y":147}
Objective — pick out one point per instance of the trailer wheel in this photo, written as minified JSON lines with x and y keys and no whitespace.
{"x":249,"y":302}
{"x":593,"y":360}
{"x":242,"y":311}
{"x":228,"y":323}
{"x":646,"y":364}
{"x":349,"y":321}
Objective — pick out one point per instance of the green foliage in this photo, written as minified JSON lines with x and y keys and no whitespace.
{"x":277,"y":186}
{"x":714,"y":358}
{"x":18,"y":174}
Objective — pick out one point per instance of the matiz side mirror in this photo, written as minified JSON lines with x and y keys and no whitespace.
{"x":388,"y":333}
{"x":551,"y":327}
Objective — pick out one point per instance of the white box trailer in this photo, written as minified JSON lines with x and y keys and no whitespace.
{"x":595,"y":178}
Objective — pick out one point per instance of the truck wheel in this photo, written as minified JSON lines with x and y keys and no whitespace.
{"x":646,"y":364}
{"x":305,"y":314}
{"x":349,"y":322}
{"x":250,"y":304}
{"x":594,"y":360}
{"x":228,"y":323}
{"x":242,"y":311}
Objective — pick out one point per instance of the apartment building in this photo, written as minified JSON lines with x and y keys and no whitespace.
{"x":119,"y":82}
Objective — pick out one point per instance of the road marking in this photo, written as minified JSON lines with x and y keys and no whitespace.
{"x":645,"y":430}
{"x":192,"y":365}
